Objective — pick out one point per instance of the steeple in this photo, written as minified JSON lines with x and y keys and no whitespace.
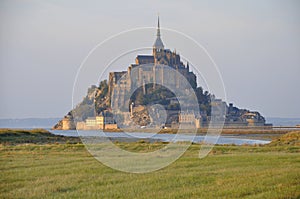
{"x":158,"y":27}
{"x":158,"y":42}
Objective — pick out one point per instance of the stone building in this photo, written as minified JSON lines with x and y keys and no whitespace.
{"x":236,"y":117}
{"x":68,"y":123}
{"x":151,"y":68}
{"x":103,"y":121}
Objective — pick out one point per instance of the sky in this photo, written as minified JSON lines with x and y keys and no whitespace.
{"x":255,"y":44}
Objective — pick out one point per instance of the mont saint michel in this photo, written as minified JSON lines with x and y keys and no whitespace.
{"x":106,"y":99}
{"x":143,"y":96}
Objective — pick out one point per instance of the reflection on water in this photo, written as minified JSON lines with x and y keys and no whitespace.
{"x":121,"y":136}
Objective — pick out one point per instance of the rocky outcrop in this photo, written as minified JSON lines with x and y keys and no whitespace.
{"x":67,"y":123}
{"x":141,"y":116}
{"x":93,"y":103}
{"x":58,"y":125}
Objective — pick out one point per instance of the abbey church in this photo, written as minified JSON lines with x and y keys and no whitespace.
{"x":152,"y":71}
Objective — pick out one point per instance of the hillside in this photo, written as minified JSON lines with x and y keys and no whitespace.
{"x":98,"y":99}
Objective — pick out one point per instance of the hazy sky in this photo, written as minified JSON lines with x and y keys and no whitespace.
{"x":256,"y":45}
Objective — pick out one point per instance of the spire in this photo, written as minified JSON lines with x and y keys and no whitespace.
{"x":158,"y":42}
{"x":158,"y":27}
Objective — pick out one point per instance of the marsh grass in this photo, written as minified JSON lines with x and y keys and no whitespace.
{"x":67,"y":170}
{"x":35,"y":136}
{"x":289,"y":139}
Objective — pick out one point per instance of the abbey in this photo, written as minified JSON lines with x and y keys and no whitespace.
{"x":149,"y":68}
{"x":146,"y":82}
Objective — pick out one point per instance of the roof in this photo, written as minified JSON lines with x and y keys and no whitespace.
{"x":158,"y":44}
{"x":145,"y":57}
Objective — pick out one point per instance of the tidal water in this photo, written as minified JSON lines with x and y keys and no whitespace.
{"x":121,"y":136}
{"x":47,"y":123}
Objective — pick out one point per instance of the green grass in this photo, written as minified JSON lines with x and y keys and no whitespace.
{"x":67,"y":170}
{"x":36,"y":136}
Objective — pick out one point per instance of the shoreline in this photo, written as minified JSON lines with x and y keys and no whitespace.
{"x":42,"y":136}
{"x":201,"y":131}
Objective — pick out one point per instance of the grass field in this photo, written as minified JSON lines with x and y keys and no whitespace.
{"x":64,"y":169}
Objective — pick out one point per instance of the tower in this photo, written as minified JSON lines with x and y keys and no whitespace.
{"x":158,"y":44}
{"x":158,"y":50}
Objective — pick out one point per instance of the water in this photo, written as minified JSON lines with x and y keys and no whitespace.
{"x":28,"y":123}
{"x":277,"y":121}
{"x":224,"y":139}
{"x":47,"y":123}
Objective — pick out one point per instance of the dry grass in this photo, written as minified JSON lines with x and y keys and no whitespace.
{"x":290,"y":139}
